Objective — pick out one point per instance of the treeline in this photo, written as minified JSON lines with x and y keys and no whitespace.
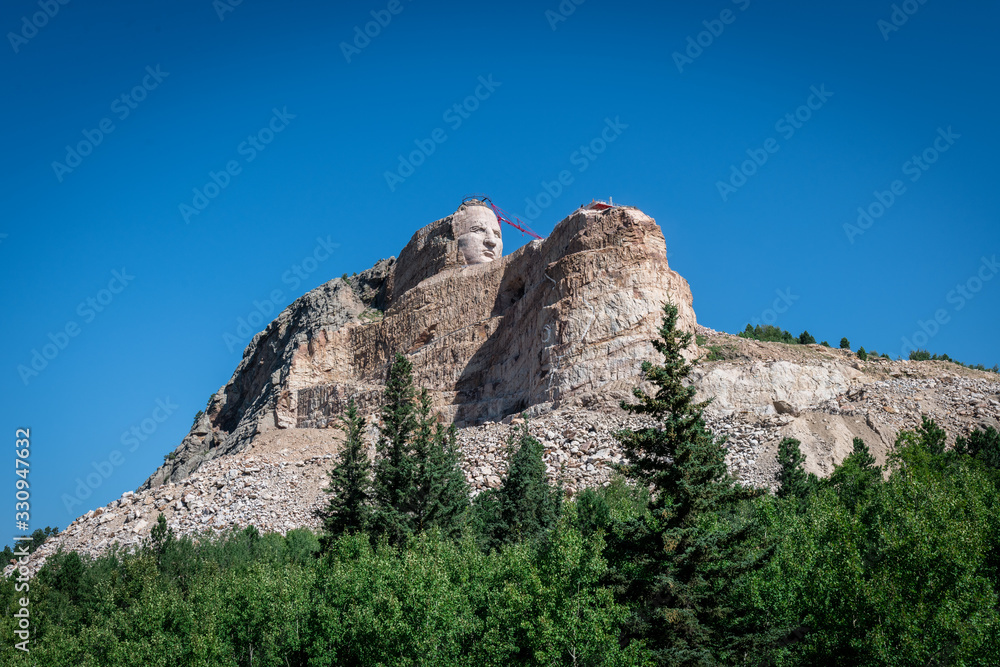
{"x":37,"y":539}
{"x":673,"y":563}
{"x":772,"y":334}
{"x":924,"y":355}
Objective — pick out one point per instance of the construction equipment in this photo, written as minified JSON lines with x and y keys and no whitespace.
{"x":502,"y":216}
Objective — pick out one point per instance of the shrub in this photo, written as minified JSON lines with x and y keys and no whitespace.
{"x":806,"y":338}
{"x":845,"y":344}
{"x":862,"y":355}
{"x":768,"y":334}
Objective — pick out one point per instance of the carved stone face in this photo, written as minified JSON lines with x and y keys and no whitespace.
{"x":478,"y":232}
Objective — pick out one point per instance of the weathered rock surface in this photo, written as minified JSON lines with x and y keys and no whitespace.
{"x":563,"y":318}
{"x":557,"y":329}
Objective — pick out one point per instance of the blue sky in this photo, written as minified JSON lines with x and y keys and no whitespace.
{"x":286,"y":122}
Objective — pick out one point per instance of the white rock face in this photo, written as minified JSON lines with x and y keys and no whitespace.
{"x":757,"y":386}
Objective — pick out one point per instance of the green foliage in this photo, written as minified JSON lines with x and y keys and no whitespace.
{"x":393,"y":486}
{"x":862,"y":355}
{"x":673,"y":564}
{"x":768,"y":333}
{"x":265,"y":600}
{"x":924,"y":355}
{"x":895,"y":572}
{"x":845,"y":344}
{"x":37,"y":539}
{"x":440,"y":493}
{"x":525,"y":507}
{"x":418,"y":482}
{"x":689,"y":547}
{"x":984,"y":446}
{"x":794,"y":481}
{"x":349,"y":506}
{"x":198,"y":415}
{"x":806,"y":338}
{"x":825,"y":344}
{"x":856,"y":476}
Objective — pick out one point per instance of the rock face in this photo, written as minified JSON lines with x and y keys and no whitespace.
{"x":557,"y":329}
{"x":567,"y":318}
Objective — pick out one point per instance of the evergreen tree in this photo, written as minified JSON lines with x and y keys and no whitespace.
{"x":806,"y":338}
{"x":525,"y":506}
{"x":440,"y":492}
{"x":931,"y":436}
{"x":795,"y":481}
{"x":856,"y":475}
{"x":981,"y":445}
{"x":349,"y":507}
{"x":862,"y":355}
{"x":845,"y":344}
{"x":394,"y":472}
{"x":691,"y":547}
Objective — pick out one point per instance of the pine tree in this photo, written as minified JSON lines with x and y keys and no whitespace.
{"x":393,"y":486}
{"x":794,"y":480}
{"x":932,"y":437}
{"x":856,"y":475}
{"x":441,"y":494}
{"x":526,"y":505}
{"x":349,"y":507}
{"x":690,"y":547}
{"x":981,"y":445}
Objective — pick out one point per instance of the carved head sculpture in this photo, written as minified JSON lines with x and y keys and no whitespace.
{"x":478,"y":232}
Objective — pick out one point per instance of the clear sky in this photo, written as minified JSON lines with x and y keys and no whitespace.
{"x":170,"y":168}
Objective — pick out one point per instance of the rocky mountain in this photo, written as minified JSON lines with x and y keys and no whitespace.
{"x":557,"y":330}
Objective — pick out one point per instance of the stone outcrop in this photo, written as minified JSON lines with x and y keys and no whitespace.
{"x":557,"y":329}
{"x":567,"y":318}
